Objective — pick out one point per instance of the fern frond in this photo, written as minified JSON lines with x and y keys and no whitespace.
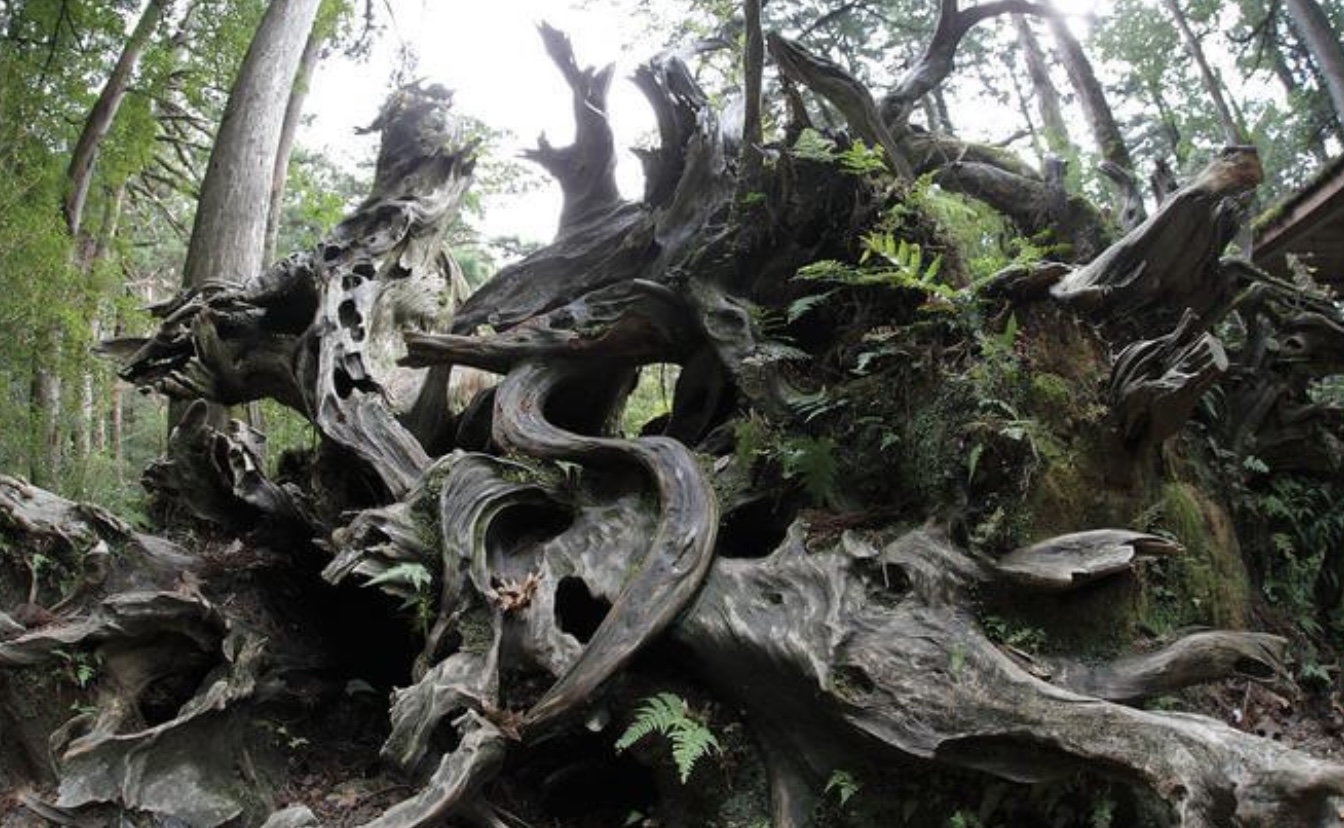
{"x":691,"y":741}
{"x":658,"y":714}
{"x":413,"y":575}
{"x":667,"y":715}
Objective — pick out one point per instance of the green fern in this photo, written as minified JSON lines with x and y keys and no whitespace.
{"x":812,"y":461}
{"x":668,"y":715}
{"x":813,"y":146}
{"x":403,"y":579}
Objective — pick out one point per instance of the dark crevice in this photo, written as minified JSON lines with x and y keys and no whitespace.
{"x":577,"y":611}
{"x":348,"y":314}
{"x":162,"y":698}
{"x":754,"y":529}
{"x":365,"y":635}
{"x":579,"y":779}
{"x":587,"y":407}
{"x":524,"y":524}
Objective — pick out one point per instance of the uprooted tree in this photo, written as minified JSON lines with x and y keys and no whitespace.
{"x":871,"y":465}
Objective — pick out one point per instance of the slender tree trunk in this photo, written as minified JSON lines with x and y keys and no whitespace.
{"x":753,"y":60}
{"x":1313,"y":26}
{"x":46,"y":383}
{"x":1038,"y":142}
{"x":930,"y":114}
{"x":1233,"y":131}
{"x":940,"y":107}
{"x":102,"y":115}
{"x":86,"y":423}
{"x":1100,"y":119}
{"x":1171,"y":130}
{"x":1047,"y":96}
{"x":312,"y":49}
{"x":44,"y":401}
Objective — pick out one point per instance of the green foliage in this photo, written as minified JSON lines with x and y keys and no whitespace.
{"x":843,"y":784}
{"x":964,"y":819}
{"x":799,"y":308}
{"x":80,"y":668}
{"x":898,"y":264}
{"x":1305,"y":519}
{"x":668,"y":715}
{"x":860,"y":159}
{"x":413,"y":575}
{"x":413,"y":582}
{"x":813,"y":146}
{"x":750,"y":439}
{"x":856,"y":159}
{"x":811,"y":460}
{"x":651,"y":398}
{"x":318,"y":193}
{"x":1020,"y":636}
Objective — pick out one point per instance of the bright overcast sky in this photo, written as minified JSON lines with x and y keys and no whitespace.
{"x":489,"y":53}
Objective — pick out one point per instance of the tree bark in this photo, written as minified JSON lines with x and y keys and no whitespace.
{"x":312,"y":50}
{"x":1105,"y":131}
{"x":752,"y":549}
{"x":1322,"y":41}
{"x":228,"y":236}
{"x":1047,"y":97}
{"x":104,"y":112}
{"x":1234,"y":132}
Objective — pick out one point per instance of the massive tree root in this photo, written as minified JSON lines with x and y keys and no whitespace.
{"x":539,"y":555}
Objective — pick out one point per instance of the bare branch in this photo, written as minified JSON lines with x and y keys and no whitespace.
{"x":937,"y":61}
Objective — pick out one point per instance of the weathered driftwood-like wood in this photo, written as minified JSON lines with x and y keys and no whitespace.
{"x":985,"y":173}
{"x":1131,"y":212}
{"x":585,"y":170}
{"x":919,"y":677}
{"x":679,"y":553}
{"x":634,"y":322}
{"x":1157,"y":383}
{"x":1169,"y":263}
{"x":935,"y":64}
{"x":322,"y":332}
{"x":136,"y":613}
{"x":1071,"y":561}
{"x":849,"y":96}
{"x":220,"y":479}
{"x":1195,"y":659}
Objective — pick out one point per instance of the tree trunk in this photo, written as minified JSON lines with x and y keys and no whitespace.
{"x":312,"y":50}
{"x":1047,"y":97}
{"x":1311,"y":22}
{"x":104,"y":112}
{"x":1233,"y":130}
{"x":88,"y":426}
{"x":1292,"y":87}
{"x":1110,"y":142}
{"x":228,"y":237}
{"x":44,"y":410}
